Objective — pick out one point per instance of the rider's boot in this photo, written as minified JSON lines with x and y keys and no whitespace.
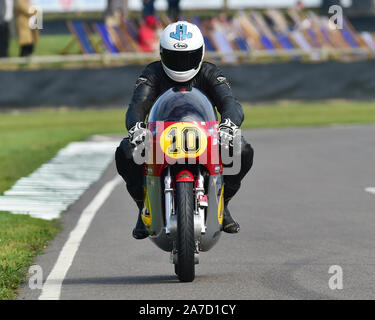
{"x":140,"y":231}
{"x":229,"y":224}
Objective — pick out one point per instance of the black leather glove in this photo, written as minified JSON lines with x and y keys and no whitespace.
{"x":138,"y":133}
{"x":227,"y":131}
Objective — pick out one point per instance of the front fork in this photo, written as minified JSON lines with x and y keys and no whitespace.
{"x":199,"y":213}
{"x":201,"y":202}
{"x":170,"y":213}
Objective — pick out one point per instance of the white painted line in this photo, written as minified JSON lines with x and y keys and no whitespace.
{"x":53,"y":187}
{"x":370,"y":190}
{"x":52,"y":287}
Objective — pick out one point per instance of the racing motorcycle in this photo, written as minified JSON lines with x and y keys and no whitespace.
{"x":184,"y":186}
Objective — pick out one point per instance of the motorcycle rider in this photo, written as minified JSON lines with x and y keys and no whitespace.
{"x":181,"y":51}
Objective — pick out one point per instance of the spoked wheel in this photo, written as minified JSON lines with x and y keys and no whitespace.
{"x":185,"y":269}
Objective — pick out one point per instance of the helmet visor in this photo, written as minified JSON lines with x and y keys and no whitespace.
{"x":181,"y":60}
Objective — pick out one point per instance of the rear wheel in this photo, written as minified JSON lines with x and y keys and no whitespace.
{"x":185,"y":269}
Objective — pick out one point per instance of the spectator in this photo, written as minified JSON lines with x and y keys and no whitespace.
{"x":115,"y":12}
{"x":223,"y":25}
{"x":148,"y":8}
{"x":147,"y":38}
{"x":174,"y":10}
{"x":299,"y":6}
{"x":6,"y":16}
{"x":27,"y":37}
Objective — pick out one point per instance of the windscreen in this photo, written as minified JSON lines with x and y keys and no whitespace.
{"x":182,"y":105}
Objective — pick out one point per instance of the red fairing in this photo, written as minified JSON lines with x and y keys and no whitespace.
{"x":158,"y":160}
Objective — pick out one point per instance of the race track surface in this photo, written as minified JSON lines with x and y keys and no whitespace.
{"x":302,"y":209}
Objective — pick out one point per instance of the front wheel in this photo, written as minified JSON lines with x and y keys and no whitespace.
{"x":185,"y":269}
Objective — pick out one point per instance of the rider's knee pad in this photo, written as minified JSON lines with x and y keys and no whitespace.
{"x":125,"y":164}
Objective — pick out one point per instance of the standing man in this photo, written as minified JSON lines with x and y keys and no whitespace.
{"x":6,"y":16}
{"x":115,"y":12}
{"x":174,"y":10}
{"x":147,"y":39}
{"x":148,"y":8}
{"x":27,"y":37}
{"x":299,"y":6}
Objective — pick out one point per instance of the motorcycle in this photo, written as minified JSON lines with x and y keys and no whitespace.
{"x":184,"y":186}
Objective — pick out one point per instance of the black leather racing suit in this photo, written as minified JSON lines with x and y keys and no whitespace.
{"x":149,"y":86}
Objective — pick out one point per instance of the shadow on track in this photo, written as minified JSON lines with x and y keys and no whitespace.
{"x":134,"y":280}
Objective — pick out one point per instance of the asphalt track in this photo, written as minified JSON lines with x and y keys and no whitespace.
{"x":302,"y":209}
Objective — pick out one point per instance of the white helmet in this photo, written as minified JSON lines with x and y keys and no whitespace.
{"x":181,"y":50}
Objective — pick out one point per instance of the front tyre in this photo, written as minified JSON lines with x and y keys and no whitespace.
{"x":185,"y":269}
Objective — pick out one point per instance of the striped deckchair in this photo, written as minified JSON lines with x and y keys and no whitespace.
{"x":125,"y":34}
{"x":105,"y":37}
{"x":369,"y":39}
{"x":326,"y":36}
{"x":333,"y":36}
{"x":279,"y":20}
{"x":251,"y":34}
{"x":241,"y":44}
{"x":209,"y":46}
{"x":119,"y":39}
{"x":268,"y":38}
{"x":197,"y":22}
{"x":267,"y":43}
{"x":350,"y":40}
{"x":282,"y":28}
{"x":206,"y":28}
{"x":354,"y":34}
{"x":299,"y":38}
{"x":81,"y":35}
{"x":321,"y":33}
{"x":353,"y":39}
{"x":223,"y":45}
{"x":284,"y":41}
{"x":314,"y":40}
{"x":132,"y":30}
{"x":304,"y":45}
{"x":240,"y":37}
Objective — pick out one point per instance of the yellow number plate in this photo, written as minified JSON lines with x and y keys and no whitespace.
{"x":183,"y":140}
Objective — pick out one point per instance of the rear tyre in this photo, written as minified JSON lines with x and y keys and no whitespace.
{"x":185,"y":269}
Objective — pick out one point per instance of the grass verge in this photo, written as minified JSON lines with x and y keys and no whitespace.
{"x":21,"y":239}
{"x":26,"y":141}
{"x":29,"y":139}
